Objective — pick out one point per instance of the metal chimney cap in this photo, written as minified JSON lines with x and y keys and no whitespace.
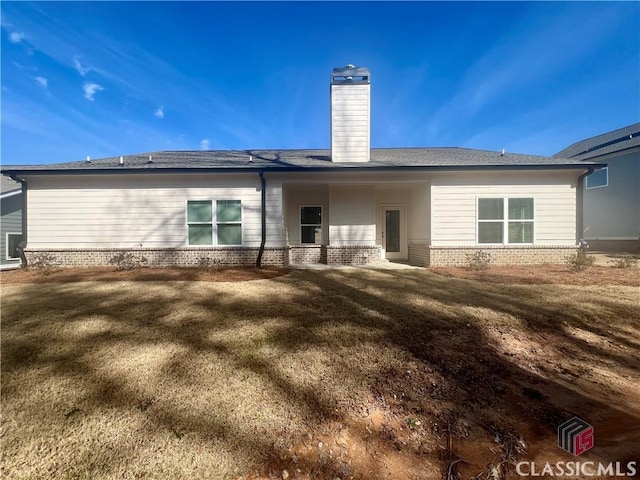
{"x":350,"y":75}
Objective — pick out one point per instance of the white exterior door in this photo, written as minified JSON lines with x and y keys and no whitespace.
{"x":394,"y":232}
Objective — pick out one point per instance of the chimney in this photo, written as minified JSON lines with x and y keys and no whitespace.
{"x":350,"y":114}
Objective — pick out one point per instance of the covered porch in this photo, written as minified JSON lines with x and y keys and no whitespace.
{"x":356,"y":223}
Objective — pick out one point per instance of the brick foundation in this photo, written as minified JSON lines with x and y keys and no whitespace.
{"x":419,"y":255}
{"x":168,"y":257}
{"x":353,"y":255}
{"x":512,"y":255}
{"x":308,"y":254}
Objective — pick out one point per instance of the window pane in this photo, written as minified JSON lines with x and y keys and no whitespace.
{"x":310,"y":234}
{"x":521,"y":209}
{"x":520,"y":232}
{"x":599,"y":178}
{"x":228,"y":211}
{"x":310,"y":215}
{"x":490,"y":208}
{"x":229,"y":234}
{"x":392,"y":228}
{"x":14,"y":241}
{"x":490,"y":232}
{"x":200,"y":234}
{"x":199,"y":211}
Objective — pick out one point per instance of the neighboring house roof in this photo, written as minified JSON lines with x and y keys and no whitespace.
{"x":9,"y":187}
{"x":605,"y":144}
{"x":298,"y":160}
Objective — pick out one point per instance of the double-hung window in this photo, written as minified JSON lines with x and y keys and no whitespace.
{"x":229,"y":222}
{"x":214,"y":222}
{"x":505,"y":220}
{"x":311,"y":224}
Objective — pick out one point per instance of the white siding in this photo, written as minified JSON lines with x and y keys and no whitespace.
{"x":351,"y":215}
{"x":419,"y":214}
{"x":350,"y":125}
{"x":453,"y":205}
{"x":109,"y":211}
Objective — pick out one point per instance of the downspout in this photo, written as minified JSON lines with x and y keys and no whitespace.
{"x":580,"y":207}
{"x":263,"y":241}
{"x":23,"y":244}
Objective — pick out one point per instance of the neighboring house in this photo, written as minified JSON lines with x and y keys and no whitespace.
{"x":348,"y":205}
{"x":10,"y":223}
{"x":612,"y":194}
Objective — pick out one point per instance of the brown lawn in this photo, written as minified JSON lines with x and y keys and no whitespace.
{"x":364,"y":374}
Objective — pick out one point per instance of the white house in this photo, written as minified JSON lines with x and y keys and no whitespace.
{"x":348,"y":205}
{"x":612,"y":194}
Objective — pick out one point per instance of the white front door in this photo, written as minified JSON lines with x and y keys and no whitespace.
{"x":394,"y":232}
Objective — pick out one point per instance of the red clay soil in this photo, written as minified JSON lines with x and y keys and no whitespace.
{"x":464,"y":408}
{"x":110,"y":274}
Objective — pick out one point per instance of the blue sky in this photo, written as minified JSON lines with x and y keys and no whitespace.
{"x":115,"y":78}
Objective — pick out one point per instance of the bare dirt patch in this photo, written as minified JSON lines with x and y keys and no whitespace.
{"x":547,"y":274}
{"x":350,"y":374}
{"x":110,"y":274}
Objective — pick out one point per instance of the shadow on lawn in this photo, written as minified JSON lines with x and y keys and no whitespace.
{"x":435,"y":320}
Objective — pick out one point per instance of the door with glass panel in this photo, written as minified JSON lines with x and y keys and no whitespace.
{"x":394,"y":236}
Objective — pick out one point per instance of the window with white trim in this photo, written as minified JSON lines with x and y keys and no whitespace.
{"x":229,"y":222}
{"x":505,"y":220}
{"x":214,"y":219}
{"x":311,"y":224}
{"x":13,"y":240}
{"x":599,"y":178}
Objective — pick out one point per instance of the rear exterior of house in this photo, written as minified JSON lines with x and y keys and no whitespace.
{"x":427,"y":218}
{"x":612,"y":194}
{"x":10,"y":223}
{"x":350,"y":205}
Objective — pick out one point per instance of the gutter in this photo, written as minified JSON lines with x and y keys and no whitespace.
{"x":330,"y":169}
{"x":10,"y":194}
{"x":23,"y":243}
{"x":580,"y":206}
{"x":263,"y":240}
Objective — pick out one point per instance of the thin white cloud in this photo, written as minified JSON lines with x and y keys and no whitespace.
{"x":16,"y":37}
{"x":205,"y":144}
{"x":159,"y":113}
{"x":90,"y":89}
{"x":23,"y":68}
{"x":82,"y":70}
{"x":44,"y":83}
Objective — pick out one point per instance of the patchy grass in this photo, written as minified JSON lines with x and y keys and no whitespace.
{"x":341,"y":373}
{"x":110,"y":274}
{"x":544,"y":274}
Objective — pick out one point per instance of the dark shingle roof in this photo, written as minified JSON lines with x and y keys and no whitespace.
{"x":297,"y":160}
{"x":610,"y":142}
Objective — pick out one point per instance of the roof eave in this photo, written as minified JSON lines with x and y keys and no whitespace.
{"x":341,"y":168}
{"x":623,"y":151}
